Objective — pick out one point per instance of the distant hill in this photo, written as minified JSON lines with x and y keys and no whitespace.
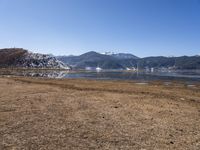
{"x":183,"y":62}
{"x":91,"y":59}
{"x":123,"y":61}
{"x":17,"y":57}
{"x":156,"y":62}
{"x":186,"y":62}
{"x":94,"y":59}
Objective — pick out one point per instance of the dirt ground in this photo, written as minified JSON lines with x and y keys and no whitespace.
{"x":71,"y":114}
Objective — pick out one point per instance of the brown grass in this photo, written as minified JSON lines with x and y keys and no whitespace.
{"x":88,"y":114}
{"x":9,"y":57}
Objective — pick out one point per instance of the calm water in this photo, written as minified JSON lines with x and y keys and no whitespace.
{"x":189,"y":77}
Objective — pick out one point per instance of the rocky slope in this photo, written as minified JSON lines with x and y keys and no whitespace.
{"x":21,"y":58}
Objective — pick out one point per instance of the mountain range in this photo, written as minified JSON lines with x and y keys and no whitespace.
{"x":21,"y":58}
{"x":123,"y":61}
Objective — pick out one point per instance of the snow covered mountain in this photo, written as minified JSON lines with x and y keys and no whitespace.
{"x":121,"y":55}
{"x":15,"y":57}
{"x":124,"y":56}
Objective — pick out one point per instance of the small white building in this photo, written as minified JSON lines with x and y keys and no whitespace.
{"x":98,"y":69}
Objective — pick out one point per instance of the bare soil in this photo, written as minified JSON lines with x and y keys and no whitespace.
{"x":76,"y":114}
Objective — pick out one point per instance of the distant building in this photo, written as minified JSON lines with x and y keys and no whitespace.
{"x":98,"y":69}
{"x":131,"y":69}
{"x":88,"y":68}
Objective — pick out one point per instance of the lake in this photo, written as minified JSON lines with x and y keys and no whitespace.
{"x":187,"y":76}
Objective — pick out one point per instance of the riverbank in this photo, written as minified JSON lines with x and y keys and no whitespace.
{"x":38,"y":113}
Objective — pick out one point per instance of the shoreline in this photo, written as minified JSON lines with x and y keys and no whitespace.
{"x":120,"y":76}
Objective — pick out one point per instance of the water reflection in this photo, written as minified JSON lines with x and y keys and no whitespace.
{"x":54,"y":74}
{"x":166,"y":77}
{"x":35,"y":73}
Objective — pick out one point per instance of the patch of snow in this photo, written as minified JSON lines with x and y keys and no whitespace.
{"x":36,"y":60}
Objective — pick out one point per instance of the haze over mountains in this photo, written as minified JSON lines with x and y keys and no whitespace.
{"x":16,"y":57}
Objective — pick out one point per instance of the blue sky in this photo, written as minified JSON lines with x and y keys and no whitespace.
{"x":141,"y":27}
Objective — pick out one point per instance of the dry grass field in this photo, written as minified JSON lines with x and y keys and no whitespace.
{"x":71,"y":114}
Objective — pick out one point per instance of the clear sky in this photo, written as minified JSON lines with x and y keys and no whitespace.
{"x":141,"y":27}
